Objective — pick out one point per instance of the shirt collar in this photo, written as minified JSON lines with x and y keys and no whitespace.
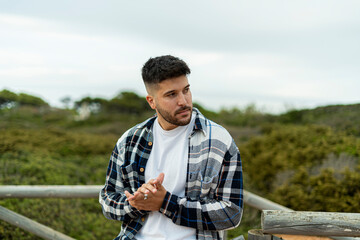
{"x":200,"y":121}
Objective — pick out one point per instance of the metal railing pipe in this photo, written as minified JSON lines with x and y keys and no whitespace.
{"x":50,"y":191}
{"x":31,"y":225}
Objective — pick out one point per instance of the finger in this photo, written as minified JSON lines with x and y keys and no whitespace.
{"x":137,"y":196}
{"x":142,"y":190}
{"x":147,"y":187}
{"x":129,"y":196}
{"x":161,"y":177}
{"x":159,"y":180}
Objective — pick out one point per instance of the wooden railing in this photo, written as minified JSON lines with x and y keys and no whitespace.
{"x":326,"y":224}
{"x":92,"y":191}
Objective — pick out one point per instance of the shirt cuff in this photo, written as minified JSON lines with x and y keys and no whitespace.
{"x":170,"y":206}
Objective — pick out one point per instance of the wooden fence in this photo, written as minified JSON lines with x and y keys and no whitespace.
{"x":92,"y":191}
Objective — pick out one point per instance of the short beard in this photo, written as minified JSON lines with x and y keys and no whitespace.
{"x":172,"y":119}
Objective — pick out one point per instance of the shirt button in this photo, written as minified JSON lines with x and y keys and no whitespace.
{"x":143,"y":219}
{"x":149,"y":143}
{"x":142,"y":169}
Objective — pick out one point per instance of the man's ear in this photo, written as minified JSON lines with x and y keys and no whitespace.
{"x":151,"y":101}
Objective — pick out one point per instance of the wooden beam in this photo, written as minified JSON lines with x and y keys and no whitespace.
{"x":50,"y":191}
{"x":31,"y":225}
{"x":311,"y":223}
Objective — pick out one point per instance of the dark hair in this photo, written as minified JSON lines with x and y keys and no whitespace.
{"x":160,"y":68}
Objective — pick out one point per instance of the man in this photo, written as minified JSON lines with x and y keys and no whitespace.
{"x":177,"y":175}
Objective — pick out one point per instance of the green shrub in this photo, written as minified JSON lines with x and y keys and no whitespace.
{"x":55,"y":157}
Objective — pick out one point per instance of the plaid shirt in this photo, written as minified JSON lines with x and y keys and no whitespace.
{"x":213,"y":198}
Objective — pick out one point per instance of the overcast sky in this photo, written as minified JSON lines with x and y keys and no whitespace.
{"x":275,"y":54}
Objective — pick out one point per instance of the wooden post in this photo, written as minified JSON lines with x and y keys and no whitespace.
{"x":31,"y":226}
{"x":311,"y":223}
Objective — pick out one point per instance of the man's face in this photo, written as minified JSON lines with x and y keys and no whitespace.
{"x":172,"y":101}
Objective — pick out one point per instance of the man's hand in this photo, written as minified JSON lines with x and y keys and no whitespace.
{"x":155,"y":195}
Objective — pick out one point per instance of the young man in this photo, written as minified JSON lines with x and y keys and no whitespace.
{"x":177,"y":175}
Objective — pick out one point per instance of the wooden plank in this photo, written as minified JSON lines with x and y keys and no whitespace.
{"x":50,"y":191}
{"x":31,"y":225}
{"x":311,"y":223}
{"x":300,"y":237}
{"x":258,"y":234}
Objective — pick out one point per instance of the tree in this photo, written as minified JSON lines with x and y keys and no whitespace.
{"x":7,"y":98}
{"x":26,"y":99}
{"x":128,"y":102}
{"x":66,"y":101}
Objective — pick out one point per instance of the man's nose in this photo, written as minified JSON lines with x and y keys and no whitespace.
{"x":182,"y":99}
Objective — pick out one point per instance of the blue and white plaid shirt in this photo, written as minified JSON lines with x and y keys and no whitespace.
{"x":213,"y":199}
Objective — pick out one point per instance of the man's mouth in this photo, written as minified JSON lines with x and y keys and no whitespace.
{"x":182,"y":110}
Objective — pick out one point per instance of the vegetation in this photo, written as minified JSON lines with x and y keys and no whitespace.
{"x":8,"y":99}
{"x":302,"y":159}
{"x":339,"y":117}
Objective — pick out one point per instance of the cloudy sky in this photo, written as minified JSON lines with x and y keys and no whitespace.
{"x":275,"y":54}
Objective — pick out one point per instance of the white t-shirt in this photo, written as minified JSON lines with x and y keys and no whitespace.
{"x":169,"y":155}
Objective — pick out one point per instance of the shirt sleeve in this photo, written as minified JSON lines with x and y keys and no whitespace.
{"x":224,"y":211}
{"x":112,"y":197}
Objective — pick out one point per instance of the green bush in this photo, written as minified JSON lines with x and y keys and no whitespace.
{"x":323,"y":192}
{"x":54,"y":157}
{"x":291,"y":165}
{"x":78,"y":218}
